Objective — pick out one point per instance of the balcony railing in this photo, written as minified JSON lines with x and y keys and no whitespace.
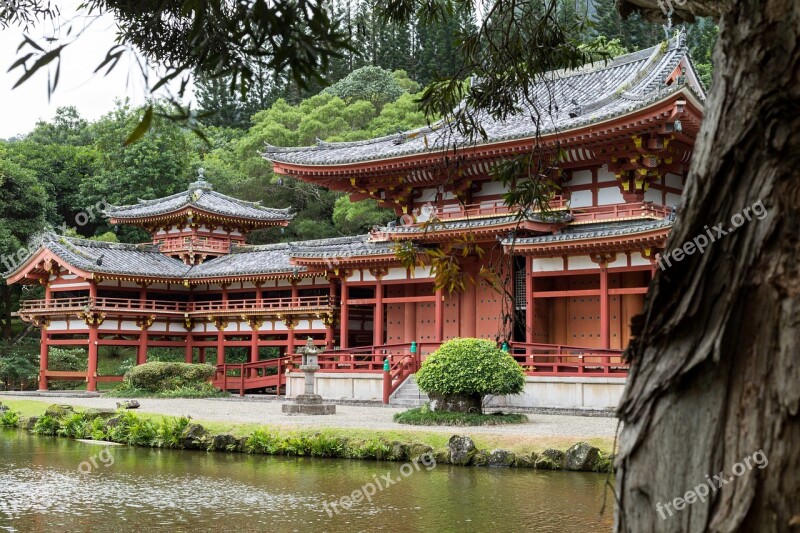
{"x":195,"y":245}
{"x":618,"y":211}
{"x":489,"y":208}
{"x":156,"y":307}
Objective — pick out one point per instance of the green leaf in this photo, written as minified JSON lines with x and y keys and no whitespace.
{"x":142,"y":127}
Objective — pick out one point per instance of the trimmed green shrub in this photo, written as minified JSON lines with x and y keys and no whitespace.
{"x":470,"y":369}
{"x":163,"y":377}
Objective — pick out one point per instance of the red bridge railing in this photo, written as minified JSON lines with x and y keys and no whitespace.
{"x":564,"y":360}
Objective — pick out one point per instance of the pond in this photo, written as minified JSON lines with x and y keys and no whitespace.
{"x":54,"y":484}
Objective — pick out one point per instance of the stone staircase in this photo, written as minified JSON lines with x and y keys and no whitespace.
{"x":408,"y":394}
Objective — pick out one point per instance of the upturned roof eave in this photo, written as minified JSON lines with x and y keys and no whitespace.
{"x":414,"y":158}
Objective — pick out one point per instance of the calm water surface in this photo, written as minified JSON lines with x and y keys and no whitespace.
{"x":42,"y":489}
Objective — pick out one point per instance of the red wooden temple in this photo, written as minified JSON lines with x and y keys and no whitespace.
{"x":622,"y":133}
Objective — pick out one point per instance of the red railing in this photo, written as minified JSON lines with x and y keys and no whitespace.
{"x":400,"y":369}
{"x":252,"y":375}
{"x":489,"y":208}
{"x":615,"y":211}
{"x":563,"y":360}
{"x":195,"y":245}
{"x":159,"y":306}
{"x":261,"y":304}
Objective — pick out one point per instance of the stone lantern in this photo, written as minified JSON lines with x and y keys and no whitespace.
{"x":308,"y":403}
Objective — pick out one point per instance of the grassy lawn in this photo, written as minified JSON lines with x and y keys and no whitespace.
{"x":515,"y":443}
{"x":423,"y":416}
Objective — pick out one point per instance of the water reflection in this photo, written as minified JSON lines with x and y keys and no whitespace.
{"x":41,"y":489}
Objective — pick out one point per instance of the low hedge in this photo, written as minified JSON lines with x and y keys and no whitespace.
{"x":164,"y":377}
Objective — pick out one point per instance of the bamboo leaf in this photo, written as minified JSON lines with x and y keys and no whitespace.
{"x":142,"y":127}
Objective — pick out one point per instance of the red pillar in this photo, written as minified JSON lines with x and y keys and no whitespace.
{"x":91,"y":373}
{"x":44,"y":350}
{"x":329,"y":333}
{"x":188,"y":356}
{"x":43,"y":359}
{"x":439,"y":315}
{"x":604,"y":319}
{"x":377,"y":318}
{"x":141,"y":353}
{"x":469,"y":313}
{"x":91,"y":384}
{"x":201,"y":354}
{"x":254,"y":325}
{"x":290,"y":339}
{"x":220,"y":345}
{"x":409,"y":316}
{"x":295,"y":294}
{"x":530,"y":305}
{"x":343,"y":316}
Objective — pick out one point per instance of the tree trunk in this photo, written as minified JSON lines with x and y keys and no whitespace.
{"x":5,"y":311}
{"x":716,"y":363}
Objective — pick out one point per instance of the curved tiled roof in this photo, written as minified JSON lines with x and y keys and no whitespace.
{"x":597,"y":91}
{"x":201,"y":196}
{"x":594,"y":231}
{"x":145,"y":260}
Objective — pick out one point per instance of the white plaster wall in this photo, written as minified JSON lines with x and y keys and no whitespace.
{"x":604,"y":175}
{"x":673,"y":199}
{"x":637,"y":259}
{"x":548,"y":264}
{"x":580,"y":199}
{"x":610,"y":195}
{"x":673,"y":180}
{"x":491,"y":188}
{"x":580,"y":262}
{"x":652,"y":195}
{"x":580,"y":177}
{"x":395,"y":273}
{"x":563,"y":392}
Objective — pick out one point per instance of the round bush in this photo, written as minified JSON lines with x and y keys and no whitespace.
{"x":164,"y":377}
{"x":470,"y":367}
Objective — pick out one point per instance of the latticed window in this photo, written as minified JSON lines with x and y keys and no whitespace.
{"x":520,"y":296}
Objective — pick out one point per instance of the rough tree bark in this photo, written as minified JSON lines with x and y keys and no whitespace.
{"x":716,"y":360}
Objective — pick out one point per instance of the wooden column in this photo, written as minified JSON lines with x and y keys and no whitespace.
{"x":254,"y":326}
{"x":328,"y":321}
{"x":91,"y":383}
{"x":469,"y":314}
{"x":221,"y":325}
{"x":377,"y":318}
{"x":439,"y":315}
{"x":343,"y":315}
{"x":410,"y":315}
{"x":44,"y":349}
{"x":44,"y":354}
{"x":604,"y":318}
{"x":295,"y":294}
{"x":189,"y":326}
{"x":201,"y":354}
{"x":141,"y":351}
{"x":91,"y":372}
{"x":530,"y":305}
{"x":290,"y":337}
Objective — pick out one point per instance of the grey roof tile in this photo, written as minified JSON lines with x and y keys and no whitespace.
{"x":202,"y":196}
{"x":590,"y":231}
{"x":602,"y":91}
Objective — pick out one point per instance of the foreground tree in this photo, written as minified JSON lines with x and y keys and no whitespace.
{"x":715,"y":366}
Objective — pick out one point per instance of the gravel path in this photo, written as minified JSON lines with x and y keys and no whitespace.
{"x":347,"y":416}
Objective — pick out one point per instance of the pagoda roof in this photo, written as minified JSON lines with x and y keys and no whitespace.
{"x":565,"y":100}
{"x":202,"y":197}
{"x":145,"y":261}
{"x":593,"y":235}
